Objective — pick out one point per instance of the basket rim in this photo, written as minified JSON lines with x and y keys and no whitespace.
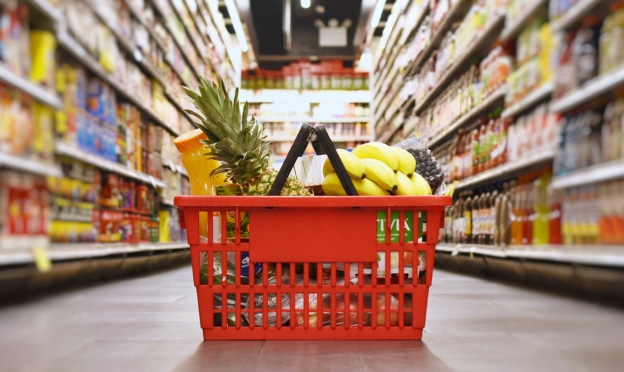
{"x":415,"y":202}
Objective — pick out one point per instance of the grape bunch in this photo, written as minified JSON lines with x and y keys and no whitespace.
{"x":428,"y":167}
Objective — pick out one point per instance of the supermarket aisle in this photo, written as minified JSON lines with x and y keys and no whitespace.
{"x":151,"y":324}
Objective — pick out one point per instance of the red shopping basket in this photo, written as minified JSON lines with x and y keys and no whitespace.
{"x":312,"y":267}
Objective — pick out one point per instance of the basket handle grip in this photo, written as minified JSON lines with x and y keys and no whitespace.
{"x":322,"y":145}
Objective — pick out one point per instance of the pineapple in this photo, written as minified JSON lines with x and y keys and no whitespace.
{"x":236,"y":142}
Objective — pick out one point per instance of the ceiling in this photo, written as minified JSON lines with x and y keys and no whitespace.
{"x":270,"y":38}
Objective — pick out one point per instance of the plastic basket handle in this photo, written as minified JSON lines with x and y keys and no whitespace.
{"x":322,"y":145}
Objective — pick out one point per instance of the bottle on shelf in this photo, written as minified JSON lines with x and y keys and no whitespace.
{"x":554,"y":217}
{"x":541,"y":222}
{"x":468,"y":215}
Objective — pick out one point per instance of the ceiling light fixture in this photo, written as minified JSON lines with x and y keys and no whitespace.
{"x":238,"y":26}
{"x":305,"y":4}
{"x":377,"y":13}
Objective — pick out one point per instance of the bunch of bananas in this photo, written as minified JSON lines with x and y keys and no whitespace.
{"x":376,"y":169}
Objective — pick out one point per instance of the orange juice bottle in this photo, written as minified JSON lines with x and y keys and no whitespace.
{"x":198,"y":166}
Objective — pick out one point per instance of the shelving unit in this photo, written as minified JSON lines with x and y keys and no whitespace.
{"x":530,"y":100}
{"x":588,"y":255}
{"x":505,"y":27}
{"x":458,"y":10}
{"x":29,"y":165}
{"x":70,"y":44}
{"x":520,"y":22}
{"x":155,"y":66}
{"x":574,"y":14}
{"x":311,"y":119}
{"x":484,"y":38}
{"x":304,"y":96}
{"x":77,"y":251}
{"x":474,"y":113}
{"x":78,"y":154}
{"x":590,"y":175}
{"x":282,"y":129}
{"x":505,"y":170}
{"x":35,"y":91}
{"x":594,"y":88}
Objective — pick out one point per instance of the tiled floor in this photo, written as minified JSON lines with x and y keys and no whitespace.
{"x":151,"y":324}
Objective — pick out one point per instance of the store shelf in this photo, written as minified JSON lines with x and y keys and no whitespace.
{"x":175,"y":168}
{"x":29,"y":165}
{"x":388,"y":65}
{"x":474,"y":113}
{"x":157,"y":7}
{"x":520,"y":22}
{"x":530,"y":100}
{"x":34,"y":90}
{"x":611,"y":256}
{"x":107,"y":165}
{"x":80,"y":53}
{"x":507,"y":169}
{"x":129,"y":46}
{"x":220,"y":30}
{"x":304,"y":96}
{"x":458,"y":9}
{"x":485,"y":37}
{"x":592,"y":89}
{"x":48,"y":10}
{"x":291,"y":138}
{"x":167,"y":202}
{"x":590,"y":175}
{"x":73,"y":251}
{"x":471,"y":249}
{"x":311,"y":119}
{"x":17,"y":249}
{"x":199,"y":45}
{"x":572,"y":15}
{"x":154,"y":36}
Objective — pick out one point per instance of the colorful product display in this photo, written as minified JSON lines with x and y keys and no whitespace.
{"x":591,"y":137}
{"x":495,"y":141}
{"x":534,"y":66}
{"x":517,"y":212}
{"x":26,"y":127}
{"x":593,"y":49}
{"x":24,"y":206}
{"x":327,"y":75}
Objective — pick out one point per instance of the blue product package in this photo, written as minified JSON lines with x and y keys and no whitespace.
{"x":96,"y":98}
{"x":245,"y":265}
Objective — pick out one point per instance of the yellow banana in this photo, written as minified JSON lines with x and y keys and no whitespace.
{"x":351,"y":163}
{"x":368,"y":187}
{"x":405,"y":185}
{"x":380,"y":173}
{"x":421,"y":184}
{"x":407,"y":162}
{"x":379,"y":151}
{"x":332,"y":186}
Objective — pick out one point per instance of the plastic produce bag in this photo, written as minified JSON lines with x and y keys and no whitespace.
{"x":272,"y":301}
{"x":426,"y":164}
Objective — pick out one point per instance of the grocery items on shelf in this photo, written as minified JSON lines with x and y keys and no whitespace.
{"x":590,"y":137}
{"x":517,"y":212}
{"x":326,"y":75}
{"x":88,"y":205}
{"x":96,"y":86}
{"x":26,"y":127}
{"x":24,"y":209}
{"x":534,"y":53}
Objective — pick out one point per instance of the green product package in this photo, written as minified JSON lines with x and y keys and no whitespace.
{"x":394,"y":226}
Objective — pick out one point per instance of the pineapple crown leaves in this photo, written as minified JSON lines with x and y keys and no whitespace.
{"x":233,"y":140}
